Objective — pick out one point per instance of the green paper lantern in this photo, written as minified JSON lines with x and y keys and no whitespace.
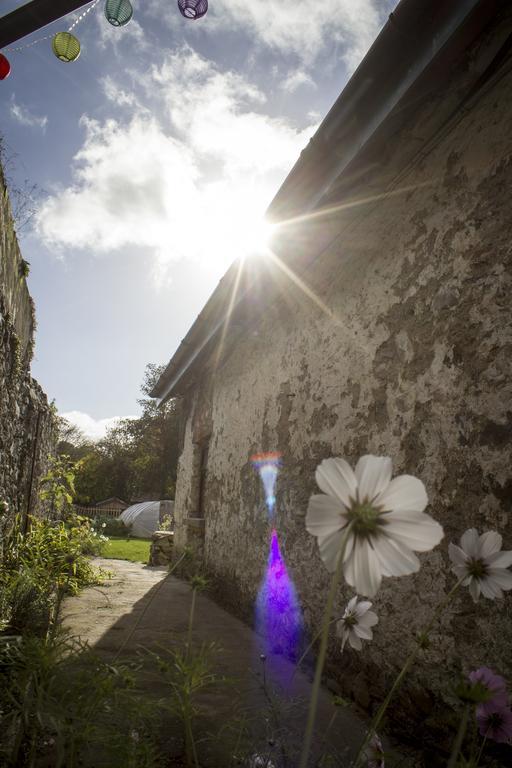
{"x":118,"y":12}
{"x":66,"y":46}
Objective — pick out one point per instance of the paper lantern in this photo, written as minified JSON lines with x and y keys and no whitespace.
{"x":5,"y":67}
{"x":118,"y":12}
{"x":193,"y":9}
{"x":66,"y":46}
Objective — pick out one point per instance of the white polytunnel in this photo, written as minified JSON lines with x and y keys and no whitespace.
{"x":143,"y":518}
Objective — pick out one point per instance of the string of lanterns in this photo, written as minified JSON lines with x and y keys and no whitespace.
{"x":66,"y":46}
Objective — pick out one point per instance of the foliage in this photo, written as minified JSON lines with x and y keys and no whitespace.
{"x":187,"y":673}
{"x":24,"y":196}
{"x":64,"y":706}
{"x":111,"y":526}
{"x":167,"y":523}
{"x":134,"y":550}
{"x":37,"y":567}
{"x":24,"y":268}
{"x":136,"y":459}
{"x":58,"y":485}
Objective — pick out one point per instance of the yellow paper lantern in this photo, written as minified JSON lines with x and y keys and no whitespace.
{"x":66,"y":46}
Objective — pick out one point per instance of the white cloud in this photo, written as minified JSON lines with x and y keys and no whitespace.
{"x":216,"y":114}
{"x":118,"y":95}
{"x":195,"y":188}
{"x":305,"y":27}
{"x":296,"y":80}
{"x":115,"y":38}
{"x":92,"y":428}
{"x":23,"y":116}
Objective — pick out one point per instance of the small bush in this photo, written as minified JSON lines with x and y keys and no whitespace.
{"x":111,"y":526}
{"x":37,"y":568}
{"x":25,"y":605}
{"x":63,"y":706}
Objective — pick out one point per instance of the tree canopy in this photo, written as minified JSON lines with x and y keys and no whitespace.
{"x":137,"y":458}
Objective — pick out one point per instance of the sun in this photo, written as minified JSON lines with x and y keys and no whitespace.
{"x":258,"y":238}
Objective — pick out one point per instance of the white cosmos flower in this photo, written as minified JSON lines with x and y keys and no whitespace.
{"x":386,"y":516}
{"x":482,"y":564}
{"x":356,"y":623}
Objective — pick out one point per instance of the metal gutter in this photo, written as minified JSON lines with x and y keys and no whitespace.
{"x":32,"y":16}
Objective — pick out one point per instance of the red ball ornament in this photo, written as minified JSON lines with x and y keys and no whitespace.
{"x":5,"y":67}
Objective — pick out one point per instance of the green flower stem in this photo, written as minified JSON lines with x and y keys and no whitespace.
{"x":482,"y":746}
{"x":408,"y":663}
{"x":313,"y":702}
{"x":191,"y":620}
{"x":457,"y":744}
{"x":310,"y":646}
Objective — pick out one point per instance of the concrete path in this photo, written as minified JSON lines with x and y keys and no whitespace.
{"x":139,"y":608}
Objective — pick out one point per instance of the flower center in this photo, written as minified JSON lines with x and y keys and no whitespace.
{"x":477,"y":569}
{"x":364,"y":518}
{"x":350,"y":620}
{"x":495,"y":720}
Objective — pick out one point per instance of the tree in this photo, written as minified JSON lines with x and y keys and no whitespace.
{"x":137,"y":458}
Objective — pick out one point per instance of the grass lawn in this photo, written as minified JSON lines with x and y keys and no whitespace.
{"x":136,"y":550}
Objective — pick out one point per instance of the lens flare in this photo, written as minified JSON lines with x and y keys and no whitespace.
{"x":267,"y":466}
{"x":278,"y":614}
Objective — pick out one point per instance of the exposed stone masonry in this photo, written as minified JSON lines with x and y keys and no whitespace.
{"x":27,"y":421}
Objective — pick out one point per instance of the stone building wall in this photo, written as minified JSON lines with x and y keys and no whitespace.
{"x":406,"y":352}
{"x":27,"y":421}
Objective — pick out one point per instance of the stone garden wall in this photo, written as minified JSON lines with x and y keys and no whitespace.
{"x":27,"y":421}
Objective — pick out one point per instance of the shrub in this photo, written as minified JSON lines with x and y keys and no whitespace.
{"x":63,"y":706}
{"x":111,"y":526}
{"x":37,"y":568}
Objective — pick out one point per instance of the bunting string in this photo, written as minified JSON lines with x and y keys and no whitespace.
{"x":15,"y":49}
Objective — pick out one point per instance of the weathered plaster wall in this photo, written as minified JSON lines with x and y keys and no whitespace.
{"x":27,"y":422}
{"x":412,"y":359}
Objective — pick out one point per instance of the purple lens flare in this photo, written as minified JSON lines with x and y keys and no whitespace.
{"x":278,"y":614}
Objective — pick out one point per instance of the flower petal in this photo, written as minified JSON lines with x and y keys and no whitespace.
{"x":324,"y":515}
{"x":489,"y":543}
{"x":329,"y":548}
{"x":404,"y":493}
{"x":362,"y":569}
{"x":370,"y":619}
{"x":396,"y":558}
{"x":373,"y":474}
{"x":364,"y":632}
{"x":490,"y":589}
{"x":501,"y":577}
{"x":362,"y":607}
{"x":336,"y":478}
{"x":499,"y":559}
{"x":419,"y":532}
{"x":474,"y":589}
{"x":457,"y":555}
{"x":354,"y":641}
{"x":469,"y":542}
{"x":351,"y":605}
{"x":461,"y":572}
{"x":340,"y":628}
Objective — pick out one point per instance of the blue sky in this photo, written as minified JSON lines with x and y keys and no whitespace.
{"x":158,"y":151}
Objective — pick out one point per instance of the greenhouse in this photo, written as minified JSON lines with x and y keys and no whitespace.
{"x":143,"y":518}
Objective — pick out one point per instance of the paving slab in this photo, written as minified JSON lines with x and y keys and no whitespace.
{"x":142,"y":607}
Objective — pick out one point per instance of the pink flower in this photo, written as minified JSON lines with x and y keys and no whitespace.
{"x":495,"y":685}
{"x":374,"y":753}
{"x":495,"y":722}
